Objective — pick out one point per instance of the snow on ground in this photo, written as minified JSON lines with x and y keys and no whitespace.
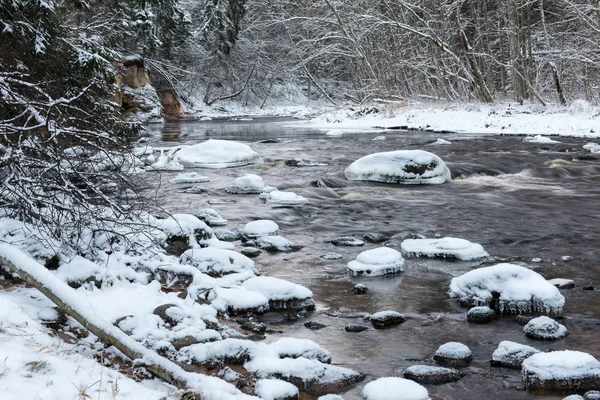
{"x":580,"y":119}
{"x":444,"y":247}
{"x":217,"y":154}
{"x":394,"y":389}
{"x":521,"y":290}
{"x":375,"y":262}
{"x":400,"y":166}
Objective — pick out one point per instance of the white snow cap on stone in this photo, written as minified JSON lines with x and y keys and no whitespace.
{"x":394,"y":389}
{"x":441,"y":142}
{"x":545,"y":328}
{"x":278,"y":197}
{"x":182,"y":225}
{"x":217,"y":261}
{"x":238,"y":299}
{"x":278,"y":243}
{"x":262,"y":227}
{"x":248,"y":184}
{"x":378,"y":261}
{"x":275,"y":389}
{"x":217,"y":154}
{"x":401,"y":166}
{"x":565,"y":364}
{"x":453,"y":350}
{"x":592,"y":147}
{"x":520,"y":289}
{"x":539,"y":139}
{"x":508,"y":351}
{"x":444,"y":247}
{"x":189,"y":177}
{"x":277,"y":289}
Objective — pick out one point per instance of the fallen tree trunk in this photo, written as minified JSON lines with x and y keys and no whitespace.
{"x":78,"y":307}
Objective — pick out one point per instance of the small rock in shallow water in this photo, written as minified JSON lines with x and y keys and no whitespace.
{"x":566,"y":258}
{"x":561,"y":370}
{"x":277,"y":243}
{"x":448,"y":248}
{"x":272,"y":318}
{"x":384,"y":319}
{"x":227,"y":235}
{"x":314,"y":325}
{"x":375,"y":237}
{"x":275,"y":389}
{"x":256,"y":327}
{"x":331,"y":256}
{"x":376,"y":262}
{"x":251,"y":252}
{"x":354,"y":328}
{"x":347,"y":241}
{"x":249,"y":184}
{"x":511,"y":354}
{"x":481,"y":314}
{"x":562,"y":283}
{"x":545,"y":328}
{"x":592,"y":395}
{"x":393,"y":388}
{"x":360,"y":289}
{"x":454,"y":354}
{"x":259,"y":228}
{"x":431,"y":374}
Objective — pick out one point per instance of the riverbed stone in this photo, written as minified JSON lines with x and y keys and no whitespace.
{"x":480,"y":314}
{"x":563,"y":370}
{"x":431,"y":374}
{"x":347,"y":241}
{"x":393,"y":388}
{"x":511,"y":354}
{"x":562,"y":283}
{"x":453,"y":354}
{"x":592,"y":395}
{"x":360,"y":289}
{"x":161,"y":311}
{"x":211,"y":217}
{"x":227,"y":235}
{"x":275,"y":389}
{"x":574,"y":397}
{"x":331,"y":256}
{"x":545,"y":328}
{"x":314,"y":325}
{"x":355,"y":328}
{"x":277,"y":243}
{"x":252,"y":326}
{"x":251,"y":252}
{"x":374,"y":237}
{"x":384,"y":319}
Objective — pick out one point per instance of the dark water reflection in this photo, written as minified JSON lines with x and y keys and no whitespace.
{"x":519,"y":200}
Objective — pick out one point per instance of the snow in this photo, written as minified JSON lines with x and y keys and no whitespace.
{"x":288,"y":198}
{"x":238,"y":299}
{"x":561,"y":282}
{"x":293,"y":348}
{"x":512,"y":354}
{"x":215,"y":261}
{"x":400,"y":166}
{"x":564,"y":364}
{"x":441,"y":142}
{"x":48,"y":314}
{"x":275,"y":389}
{"x":444,"y":247}
{"x":78,"y":269}
{"x":189,"y":177}
{"x":211,"y":217}
{"x":539,"y":139}
{"x":277,"y":289}
{"x":383,"y":315}
{"x":453,"y":350}
{"x":545,"y":328}
{"x":394,"y":389}
{"x":261,"y":227}
{"x":249,"y":184}
{"x":276,"y":243}
{"x":378,"y":261}
{"x":217,"y":154}
{"x":594,"y":148}
{"x":521,"y":290}
{"x":380,"y":138}
{"x":183,"y":225}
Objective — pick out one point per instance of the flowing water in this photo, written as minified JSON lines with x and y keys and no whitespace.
{"x":519,"y":200}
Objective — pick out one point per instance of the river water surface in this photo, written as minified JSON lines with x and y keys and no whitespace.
{"x":519,"y":200}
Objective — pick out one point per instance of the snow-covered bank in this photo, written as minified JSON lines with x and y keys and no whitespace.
{"x":580,"y":119}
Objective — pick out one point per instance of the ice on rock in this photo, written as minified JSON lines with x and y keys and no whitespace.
{"x":287,"y":198}
{"x":454,"y":354}
{"x":447,"y":247}
{"x":228,"y":351}
{"x":332,"y":256}
{"x":562,"y":283}
{"x":574,"y":397}
{"x":539,"y":139}
{"x":189,"y":177}
{"x":545,"y":328}
{"x":347,"y":241}
{"x":275,"y":389}
{"x":249,"y":184}
{"x":594,"y":148}
{"x":561,"y":370}
{"x":401,"y":166}
{"x":375,"y":262}
{"x":384,"y":319}
{"x":480,"y":314}
{"x":282,"y":294}
{"x":238,"y":300}
{"x":507,"y":288}
{"x":262,"y":227}
{"x":294,"y":348}
{"x":211,"y":217}
{"x":380,"y":138}
{"x":394,"y":389}
{"x":217,"y":154}
{"x":511,"y":354}
{"x":277,"y":243}
{"x":218,"y":262}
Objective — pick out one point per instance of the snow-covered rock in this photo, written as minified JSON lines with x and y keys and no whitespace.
{"x":217,"y":154}
{"x":218,"y":262}
{"x":332,"y":256}
{"x":375,"y":262}
{"x":592,"y":395}
{"x":431,"y":374}
{"x":359,"y":288}
{"x":277,"y":243}
{"x":401,"y":166}
{"x":448,"y":247}
{"x":480,"y":314}
{"x":331,"y":397}
{"x":227,"y":235}
{"x":594,"y":148}
{"x":545,"y":328}
{"x":249,"y":184}
{"x":262,"y":227}
{"x":441,"y":141}
{"x":508,"y":288}
{"x":189,"y":177}
{"x":347,"y":241}
{"x":394,"y":389}
{"x":511,"y":354}
{"x":561,"y":370}
{"x":454,"y":354}
{"x":282,"y":295}
{"x":211,"y":217}
{"x":238,"y":301}
{"x":562,"y":283}
{"x":383,"y":319}
{"x":227,"y":351}
{"x":539,"y":139}
{"x":287,"y":198}
{"x":294,"y":348}
{"x":275,"y":389}
{"x":380,"y":138}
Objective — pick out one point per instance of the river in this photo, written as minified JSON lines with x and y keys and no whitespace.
{"x":519,"y":200}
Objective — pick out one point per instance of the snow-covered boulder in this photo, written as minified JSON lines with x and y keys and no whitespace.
{"x":448,"y":248}
{"x":218,"y":262}
{"x":507,"y":288}
{"x":211,"y":217}
{"x":383,"y":319}
{"x":511,"y":354}
{"x":227,"y":351}
{"x":454,"y":354}
{"x":394,"y":389}
{"x":282,"y":295}
{"x":227,"y":235}
{"x":277,"y":243}
{"x":217,"y":154}
{"x":401,"y":166}
{"x":294,"y":348}
{"x":238,"y":301}
{"x":262,"y":227}
{"x":545,"y":328}
{"x":592,"y":395}
{"x":561,"y":370}
{"x":562,"y":283}
{"x":480,"y":314}
{"x":185,"y":231}
{"x":431,"y":374}
{"x":275,"y":389}
{"x":539,"y":139}
{"x":375,"y":262}
{"x":347,"y":241}
{"x":594,"y":148}
{"x":249,"y":184}
{"x":286,"y":198}
{"x":189,"y":177}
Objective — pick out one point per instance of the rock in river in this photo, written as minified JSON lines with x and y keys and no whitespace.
{"x":275,"y":389}
{"x":431,"y":374}
{"x":262,"y":227}
{"x":383,"y":319}
{"x":448,"y":248}
{"x":217,"y":154}
{"x":211,"y":217}
{"x":282,"y":295}
{"x":401,"y":166}
{"x":375,"y":262}
{"x":481,"y":314}
{"x":511,"y":354}
{"x":561,"y":370}
{"x":249,"y":184}
{"x":285,"y":198}
{"x":394,"y":389}
{"x":545,"y":328}
{"x":453,"y":354}
{"x":347,"y":241}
